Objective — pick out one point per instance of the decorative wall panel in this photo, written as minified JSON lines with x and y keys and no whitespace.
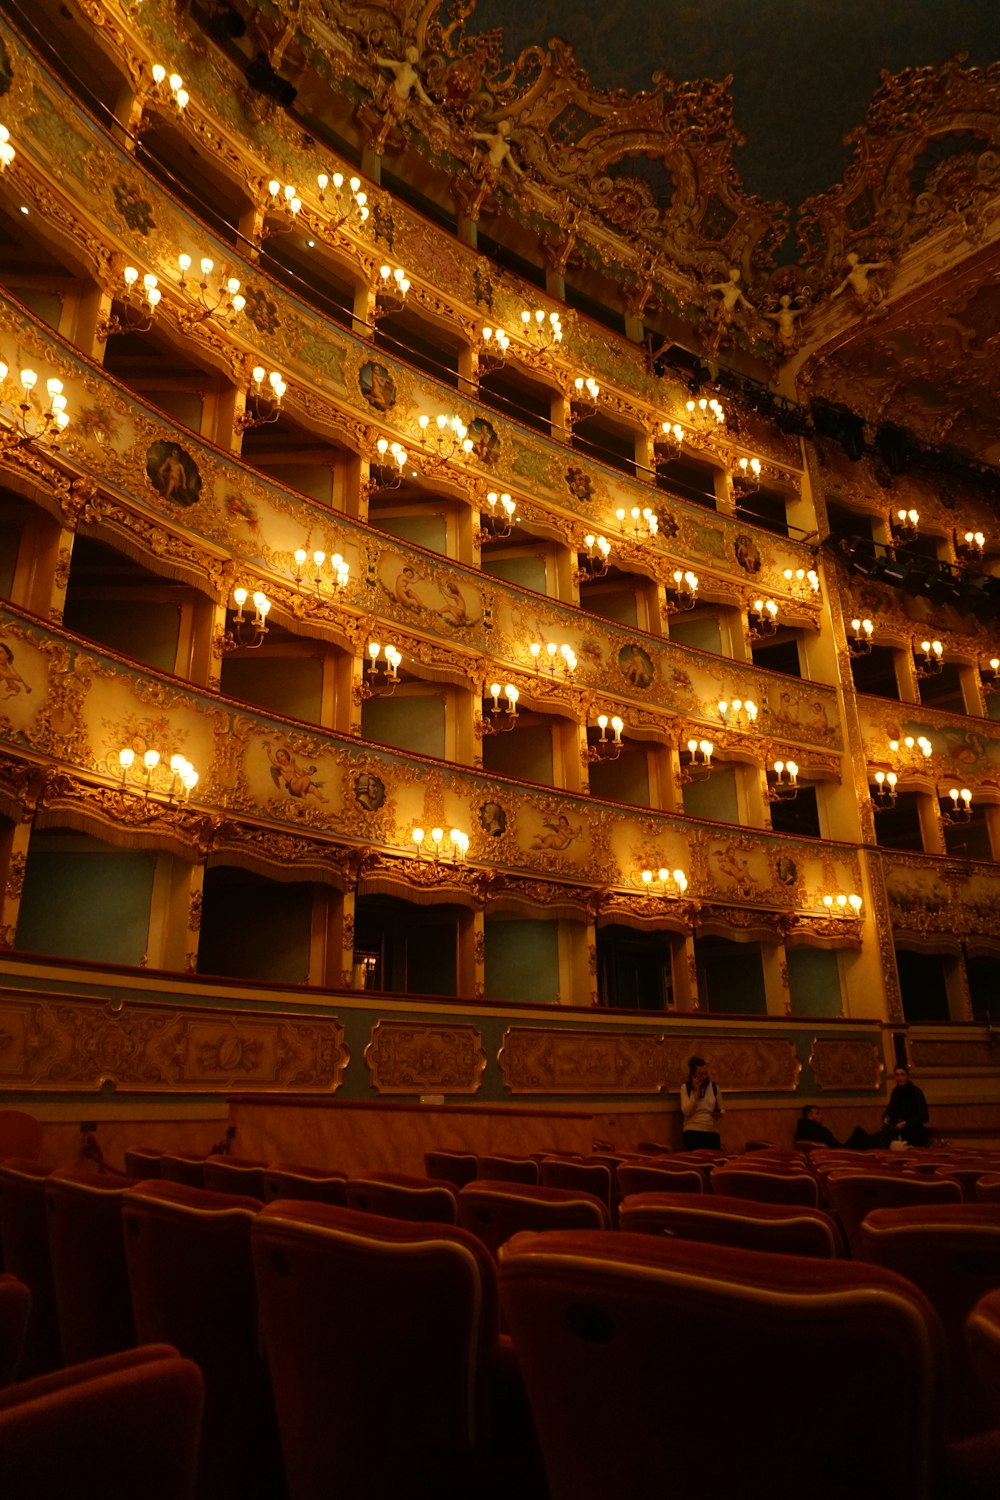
{"x":846,"y":1064}
{"x":549,"y":1061}
{"x":405,"y":1058}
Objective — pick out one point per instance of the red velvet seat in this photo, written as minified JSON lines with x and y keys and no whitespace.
{"x":24,"y":1239}
{"x":952,"y":1253}
{"x":89,"y":1274}
{"x":636,"y":1177}
{"x":743,"y":1223}
{"x":766,"y":1187}
{"x":966,"y":1174}
{"x":191,"y":1278}
{"x":234,"y":1174}
{"x":988,"y":1188}
{"x":507,"y":1169}
{"x":15,"y":1309}
{"x":425,"y":1200}
{"x":493,"y":1211}
{"x":853,"y":1195}
{"x":123,"y":1426}
{"x":306,"y":1184}
{"x":383,"y":1345}
{"x":456,"y":1167}
{"x":629,"y":1345}
{"x":142,"y":1162}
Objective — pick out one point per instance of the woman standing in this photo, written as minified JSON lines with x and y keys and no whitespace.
{"x":701,"y":1106}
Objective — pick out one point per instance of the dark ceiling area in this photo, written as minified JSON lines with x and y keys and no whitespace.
{"x":804,"y":71}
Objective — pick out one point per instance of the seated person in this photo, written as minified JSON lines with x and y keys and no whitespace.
{"x":811,"y":1128}
{"x":905,"y":1117}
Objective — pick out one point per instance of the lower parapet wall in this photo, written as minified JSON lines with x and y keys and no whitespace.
{"x":357,"y":1079}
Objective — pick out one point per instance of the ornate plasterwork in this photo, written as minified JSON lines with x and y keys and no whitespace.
{"x":954,"y":1056}
{"x":539,"y":1060}
{"x":421,"y":1057}
{"x":846,"y":1064}
{"x":50,"y":1043}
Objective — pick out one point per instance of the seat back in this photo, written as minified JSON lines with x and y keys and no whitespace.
{"x":623,"y":1340}
{"x":20,"y":1135}
{"x":853,"y":1195}
{"x":781,"y":1228}
{"x":126,"y":1424}
{"x":952,"y":1253}
{"x":988,"y":1188}
{"x":234,"y":1174}
{"x":394,"y":1195}
{"x":966,"y":1174}
{"x":507,"y":1169}
{"x":766,"y":1186}
{"x":142,"y":1162}
{"x":493,"y":1211}
{"x":456,"y":1167}
{"x":15,"y":1309}
{"x":982,"y":1337}
{"x":191,"y":1279}
{"x":189,"y":1170}
{"x":578,"y":1177}
{"x":306,"y":1184}
{"x":377,"y":1332}
{"x":24,"y":1241}
{"x":636,"y":1177}
{"x":89,"y":1274}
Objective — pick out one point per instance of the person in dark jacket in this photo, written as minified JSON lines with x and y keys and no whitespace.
{"x":905,"y":1118}
{"x":811,"y":1128}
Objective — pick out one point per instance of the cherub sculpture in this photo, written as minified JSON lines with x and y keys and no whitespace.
{"x":406,"y":81}
{"x":499,"y":152}
{"x":857,"y":278}
{"x":786,"y":336}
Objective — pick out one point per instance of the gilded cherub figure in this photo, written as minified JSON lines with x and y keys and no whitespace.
{"x":857,"y":278}
{"x":786,"y":335}
{"x":406,"y":81}
{"x":500,"y":151}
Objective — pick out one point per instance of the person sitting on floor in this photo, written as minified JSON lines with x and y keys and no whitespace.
{"x":905,"y":1117}
{"x":811,"y":1128}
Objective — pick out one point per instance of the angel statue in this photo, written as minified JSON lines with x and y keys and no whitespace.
{"x":406,"y":81}
{"x":499,"y":152}
{"x":786,"y":336}
{"x":857,"y":278}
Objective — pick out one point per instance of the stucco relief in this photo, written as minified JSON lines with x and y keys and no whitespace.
{"x":846,"y":1064}
{"x":421,"y":1057}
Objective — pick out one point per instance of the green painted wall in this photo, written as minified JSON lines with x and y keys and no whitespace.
{"x":714,"y":798}
{"x":405,"y":723}
{"x":426,"y":531}
{"x":522,"y":962}
{"x":529,"y":572}
{"x":526,"y":753}
{"x":145,"y":632}
{"x":254,"y":928}
{"x":622,"y":780}
{"x":288,"y":685}
{"x":814,"y":982}
{"x":730,"y":977}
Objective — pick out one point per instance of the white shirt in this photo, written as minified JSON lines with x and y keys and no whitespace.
{"x":699,"y":1114}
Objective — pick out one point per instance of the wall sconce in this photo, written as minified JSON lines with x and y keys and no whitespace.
{"x":178,"y":96}
{"x":493,"y":346}
{"x":930,"y":662}
{"x":594,"y":564}
{"x":390,"y":291}
{"x":741,"y":713}
{"x":904,"y":525}
{"x":606,"y":746}
{"x":699,"y":761}
{"x":960,"y":810}
{"x":137,"y":304}
{"x":643,"y":523}
{"x":663,"y":882}
{"x":263,"y":401}
{"x":989,"y":675}
{"x":747,"y":475}
{"x":341,"y":570}
{"x":387,"y":472}
{"x":247,"y":634}
{"x":440,"y":845}
{"x":971,"y":546}
{"x":444,"y":436}
{"x":555,"y":658}
{"x":7,"y":152}
{"x":352,"y":205}
{"x":707,"y":412}
{"x":583,"y":398}
{"x":670,"y":440}
{"x":497,"y":522}
{"x":763,"y":619}
{"x":843,"y":906}
{"x":861,"y":642}
{"x":282,"y":207}
{"x":539,"y":331}
{"x":803,"y":575}
{"x":784,"y":787}
{"x":153,"y":776}
{"x":499,"y":719}
{"x":682,"y":592}
{"x":380,"y":675}
{"x":884,"y":793}
{"x":921,"y":743}
{"x":35,"y":423}
{"x":225,"y":302}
